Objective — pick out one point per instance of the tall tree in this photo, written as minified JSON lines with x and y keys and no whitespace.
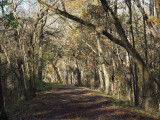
{"x":41,"y":37}
{"x":135,"y":75}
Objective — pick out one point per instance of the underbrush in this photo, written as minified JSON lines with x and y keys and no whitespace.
{"x":14,"y":109}
{"x":41,"y":85}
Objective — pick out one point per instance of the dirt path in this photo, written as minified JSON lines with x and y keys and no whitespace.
{"x":72,"y":103}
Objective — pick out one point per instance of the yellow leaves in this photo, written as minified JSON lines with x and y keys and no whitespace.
{"x":158,"y":21}
{"x":85,"y":13}
{"x":51,"y":68}
{"x":74,"y":41}
{"x":74,"y":5}
{"x":154,"y":19}
{"x":75,"y":33}
{"x":49,"y":75}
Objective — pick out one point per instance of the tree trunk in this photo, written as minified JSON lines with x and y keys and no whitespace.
{"x":95,"y":82}
{"x":3,"y":115}
{"x":149,"y":100}
{"x":106,"y":77}
{"x":100,"y":78}
{"x":113,"y":76}
{"x":78,"y":73}
{"x":58,"y":74}
{"x":128,"y":78}
{"x":145,"y":41}
{"x":135,"y":76}
{"x":157,"y":2}
{"x":22,"y":82}
{"x":40,"y":62}
{"x":103,"y":68}
{"x":40,"y":56}
{"x":135,"y":86}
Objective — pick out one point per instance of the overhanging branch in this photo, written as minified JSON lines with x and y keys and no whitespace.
{"x":81,"y":21}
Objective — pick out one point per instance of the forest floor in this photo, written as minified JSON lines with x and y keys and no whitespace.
{"x":63,"y":102}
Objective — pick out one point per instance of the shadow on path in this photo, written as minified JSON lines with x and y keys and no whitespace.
{"x":72,"y":103}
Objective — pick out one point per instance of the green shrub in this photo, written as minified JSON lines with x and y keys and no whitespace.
{"x":41,"y":85}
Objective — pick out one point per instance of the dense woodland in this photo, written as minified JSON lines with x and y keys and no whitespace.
{"x":109,"y":45}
